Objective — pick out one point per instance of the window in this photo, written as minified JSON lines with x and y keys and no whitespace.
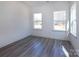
{"x":37,"y":21}
{"x":59,"y":20}
{"x":73,"y":20}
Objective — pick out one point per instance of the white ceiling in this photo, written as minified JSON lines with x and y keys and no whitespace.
{"x":39,"y":3}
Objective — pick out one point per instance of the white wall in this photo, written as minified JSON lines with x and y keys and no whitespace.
{"x":47,"y":10}
{"x":14,"y":22}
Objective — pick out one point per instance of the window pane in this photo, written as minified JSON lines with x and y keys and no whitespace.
{"x":73,"y":20}
{"x":37,"y":21}
{"x":59,"y":26}
{"x":59,"y":20}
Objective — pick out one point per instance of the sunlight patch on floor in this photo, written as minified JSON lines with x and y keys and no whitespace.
{"x":65,"y":51}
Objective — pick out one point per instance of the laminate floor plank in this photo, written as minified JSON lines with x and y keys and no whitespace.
{"x":34,"y":46}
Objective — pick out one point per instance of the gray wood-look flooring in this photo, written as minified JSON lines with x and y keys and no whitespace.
{"x":33,"y":46}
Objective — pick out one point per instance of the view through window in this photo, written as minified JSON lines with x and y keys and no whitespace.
{"x":37,"y":20}
{"x":59,"y":20}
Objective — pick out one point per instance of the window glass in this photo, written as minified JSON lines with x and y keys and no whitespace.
{"x":59,"y":20}
{"x":37,"y":21}
{"x":73,"y":20}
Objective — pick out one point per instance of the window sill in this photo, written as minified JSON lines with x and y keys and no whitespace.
{"x":37,"y":29}
{"x":59,"y":31}
{"x":73,"y":35}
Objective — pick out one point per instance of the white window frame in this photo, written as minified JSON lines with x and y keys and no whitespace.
{"x":37,"y":20}
{"x":64,"y":21}
{"x":73,"y":29}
